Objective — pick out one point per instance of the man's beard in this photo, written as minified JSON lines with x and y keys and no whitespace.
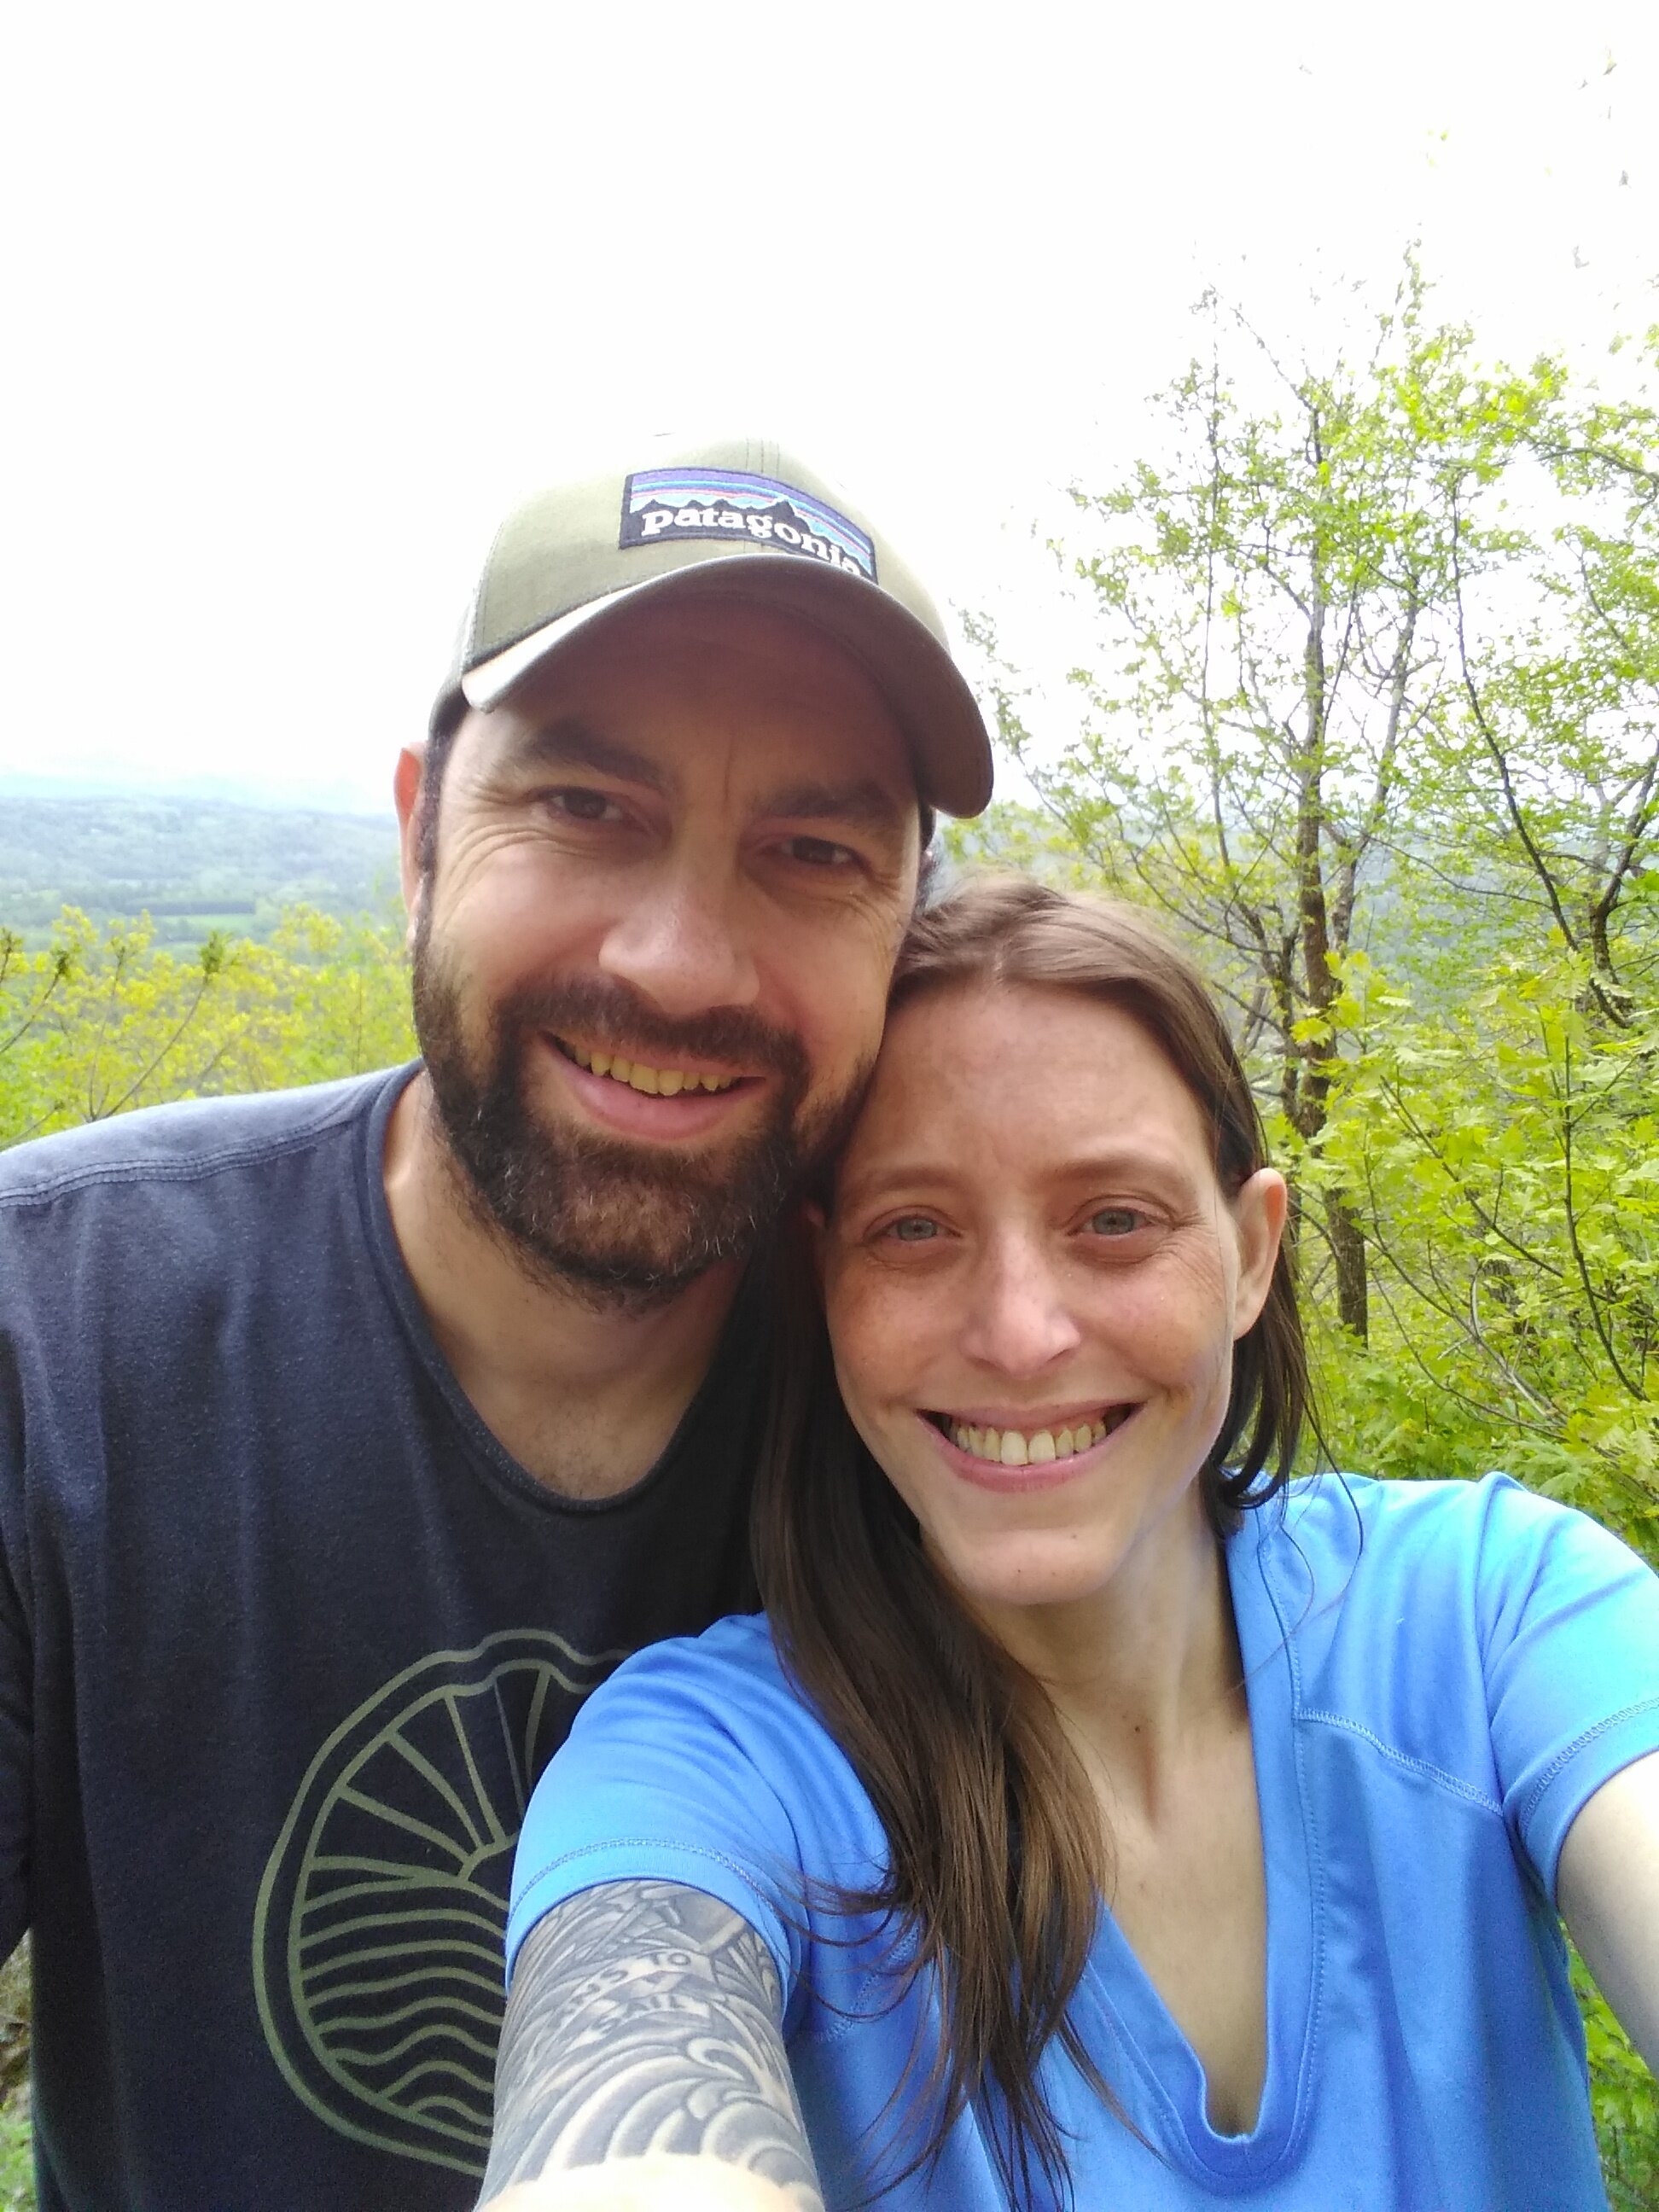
{"x":628,"y":1223}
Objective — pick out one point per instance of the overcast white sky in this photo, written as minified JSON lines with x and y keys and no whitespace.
{"x":299,"y":298}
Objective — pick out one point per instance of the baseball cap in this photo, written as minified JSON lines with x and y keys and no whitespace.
{"x":736,"y":518}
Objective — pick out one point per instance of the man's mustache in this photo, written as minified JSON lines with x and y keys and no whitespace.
{"x":611,"y":1017}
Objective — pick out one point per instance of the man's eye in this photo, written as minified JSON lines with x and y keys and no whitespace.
{"x":583,"y":805}
{"x":1116,"y":1221}
{"x":818,"y":853}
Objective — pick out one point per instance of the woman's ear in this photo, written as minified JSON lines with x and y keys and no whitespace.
{"x":1259,"y":1212}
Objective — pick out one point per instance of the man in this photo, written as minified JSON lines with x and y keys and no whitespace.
{"x":349,"y":1436}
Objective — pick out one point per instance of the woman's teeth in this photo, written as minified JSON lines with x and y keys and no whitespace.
{"x":655,"y":1082}
{"x":1011,"y":1447}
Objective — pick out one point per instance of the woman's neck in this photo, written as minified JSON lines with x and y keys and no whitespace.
{"x":1143,"y":1672}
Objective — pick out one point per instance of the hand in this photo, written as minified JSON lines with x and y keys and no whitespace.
{"x":660,"y":2183}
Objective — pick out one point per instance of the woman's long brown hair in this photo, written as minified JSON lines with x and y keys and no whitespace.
{"x":998,"y":1852}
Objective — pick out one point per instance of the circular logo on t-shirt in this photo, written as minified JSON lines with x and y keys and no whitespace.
{"x":378,"y":1935}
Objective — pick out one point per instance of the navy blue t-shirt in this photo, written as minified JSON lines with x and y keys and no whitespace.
{"x":286,"y":1639}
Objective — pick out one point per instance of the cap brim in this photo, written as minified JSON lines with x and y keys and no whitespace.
{"x":937,"y":712}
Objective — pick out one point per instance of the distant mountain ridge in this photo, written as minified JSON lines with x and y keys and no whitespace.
{"x":339,"y":795}
{"x":193,"y":864}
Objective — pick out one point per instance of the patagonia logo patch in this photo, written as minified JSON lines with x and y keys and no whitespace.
{"x":665,"y":503}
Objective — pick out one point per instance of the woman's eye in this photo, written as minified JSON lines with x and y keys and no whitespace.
{"x":1116,"y":1221}
{"x":818,"y":853}
{"x":912,"y":1229}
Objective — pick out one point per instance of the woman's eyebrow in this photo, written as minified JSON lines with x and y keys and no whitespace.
{"x":922,"y":1173}
{"x":1137,"y":1159}
{"x":901,"y":1175}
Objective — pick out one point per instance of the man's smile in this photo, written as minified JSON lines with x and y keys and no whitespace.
{"x":639,"y":1075}
{"x":636,"y":1098}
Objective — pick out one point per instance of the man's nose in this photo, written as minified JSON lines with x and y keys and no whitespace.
{"x":681,"y":946}
{"x":1019,"y":1321}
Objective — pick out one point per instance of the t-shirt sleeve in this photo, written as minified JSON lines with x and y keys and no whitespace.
{"x":17,"y":1652}
{"x":16,"y":1768}
{"x":1570,"y":1622}
{"x":670,"y":1774}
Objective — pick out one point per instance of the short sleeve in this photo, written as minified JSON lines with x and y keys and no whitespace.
{"x":1569,"y":1623}
{"x":671,"y":1773}
{"x":16,"y":1660}
{"x":16,"y":1778}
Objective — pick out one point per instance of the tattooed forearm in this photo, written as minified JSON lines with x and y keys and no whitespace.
{"x":645,"y":2016}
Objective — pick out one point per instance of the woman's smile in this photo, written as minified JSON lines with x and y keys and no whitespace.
{"x":1026,"y":1452}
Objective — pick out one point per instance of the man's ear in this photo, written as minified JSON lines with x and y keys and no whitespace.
{"x":1258,"y":1215}
{"x":407,"y":780}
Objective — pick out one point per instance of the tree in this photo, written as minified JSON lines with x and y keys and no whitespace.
{"x":1549,"y":766}
{"x":1369,"y":640}
{"x":1504,"y":1145}
{"x":1498,"y":1101}
{"x":104,"y":1020}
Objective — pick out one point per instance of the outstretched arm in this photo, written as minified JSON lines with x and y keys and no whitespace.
{"x":645,"y":2020}
{"x":1607,"y":1887}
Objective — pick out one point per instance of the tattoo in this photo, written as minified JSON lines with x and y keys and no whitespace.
{"x":645,"y":2016}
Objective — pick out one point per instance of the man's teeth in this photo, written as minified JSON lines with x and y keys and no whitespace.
{"x":1012,"y":1448}
{"x":655,"y":1082}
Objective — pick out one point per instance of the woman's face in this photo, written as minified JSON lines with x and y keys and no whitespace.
{"x":1034,"y":1284}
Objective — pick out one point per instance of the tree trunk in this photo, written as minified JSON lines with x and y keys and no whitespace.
{"x":1348,"y":1251}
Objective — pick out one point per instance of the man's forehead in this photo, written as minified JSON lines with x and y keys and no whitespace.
{"x":743,"y":689}
{"x":713,"y":637}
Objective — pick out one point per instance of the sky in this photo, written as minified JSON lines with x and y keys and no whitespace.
{"x":300,"y":299}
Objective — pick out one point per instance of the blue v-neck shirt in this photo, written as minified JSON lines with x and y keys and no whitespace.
{"x":1439,"y":1676}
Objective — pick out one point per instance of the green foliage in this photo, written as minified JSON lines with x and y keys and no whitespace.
{"x":1377,"y":670}
{"x":16,"y":2145}
{"x":102,"y":1020}
{"x":1503,"y":1147}
{"x":16,"y":2159}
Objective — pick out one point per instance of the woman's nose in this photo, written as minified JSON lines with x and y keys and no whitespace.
{"x":1019,"y":1321}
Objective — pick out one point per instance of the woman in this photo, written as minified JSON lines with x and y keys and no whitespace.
{"x":808,"y":1912}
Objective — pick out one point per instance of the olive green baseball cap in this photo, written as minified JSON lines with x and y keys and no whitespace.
{"x":741,"y":518}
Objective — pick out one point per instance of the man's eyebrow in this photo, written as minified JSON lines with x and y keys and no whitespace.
{"x":572,"y":744}
{"x":865,"y":803}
